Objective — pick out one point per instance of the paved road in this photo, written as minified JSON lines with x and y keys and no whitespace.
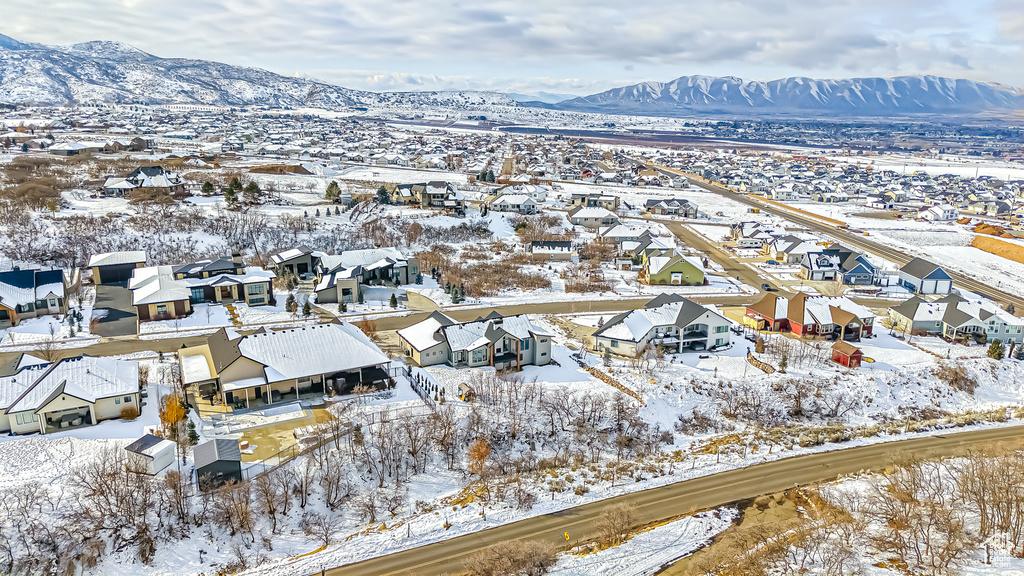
{"x":854,"y":240}
{"x":121,"y":319}
{"x":733,"y":267}
{"x":660,"y":504}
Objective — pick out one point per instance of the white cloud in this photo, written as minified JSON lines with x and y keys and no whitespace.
{"x":544,"y":45}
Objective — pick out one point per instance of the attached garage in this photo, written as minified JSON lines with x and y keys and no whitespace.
{"x":115,"y":267}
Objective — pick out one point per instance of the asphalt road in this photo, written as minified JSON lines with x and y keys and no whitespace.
{"x":660,"y":504}
{"x":854,"y":240}
{"x":733,"y":268}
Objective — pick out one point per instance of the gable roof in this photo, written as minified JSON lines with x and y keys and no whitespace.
{"x":85,"y":377}
{"x":426,"y":334}
{"x":923,"y":269}
{"x":669,"y":311}
{"x":311,"y":350}
{"x":114,"y":258}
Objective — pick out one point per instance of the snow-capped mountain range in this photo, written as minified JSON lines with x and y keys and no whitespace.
{"x":113,"y":72}
{"x":860,"y":96}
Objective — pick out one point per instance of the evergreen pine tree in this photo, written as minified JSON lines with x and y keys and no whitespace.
{"x":996,"y":349}
{"x":317,"y":214}
{"x":193,"y":436}
{"x":394,"y":301}
{"x":231,"y":198}
{"x":252,"y":194}
{"x":333,"y":192}
{"x":207,"y":189}
{"x":342,"y":307}
{"x":307,"y":309}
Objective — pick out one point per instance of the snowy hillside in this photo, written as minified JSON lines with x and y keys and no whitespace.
{"x":113,"y":72}
{"x":866,"y":96}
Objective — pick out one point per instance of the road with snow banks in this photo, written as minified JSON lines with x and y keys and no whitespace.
{"x":664,"y":503}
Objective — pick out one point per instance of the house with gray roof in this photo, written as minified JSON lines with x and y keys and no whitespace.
{"x":504,"y":342}
{"x":954,"y":317}
{"x":923,"y":277}
{"x":668,"y":321}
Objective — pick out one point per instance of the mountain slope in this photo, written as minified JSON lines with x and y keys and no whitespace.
{"x":861,"y":96}
{"x":113,"y":72}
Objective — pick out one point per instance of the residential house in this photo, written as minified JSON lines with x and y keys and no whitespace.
{"x":339,"y":277}
{"x":31,"y":294}
{"x":940,"y":213}
{"x":151,"y":178}
{"x":592,"y":217}
{"x":833,"y":317}
{"x":169,"y":292}
{"x":47,"y":397}
{"x":838,"y":264}
{"x":297,"y":261}
{"x":671,"y":207}
{"x":504,"y":342}
{"x":518,"y":203}
{"x":954,"y":317}
{"x":115,"y":267}
{"x":592,"y":200}
{"x":273,"y":366}
{"x":554,"y":250}
{"x":668,"y":321}
{"x":923,"y":277}
{"x":670,"y":268}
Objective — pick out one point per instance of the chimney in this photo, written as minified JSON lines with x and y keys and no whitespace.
{"x":236,"y":257}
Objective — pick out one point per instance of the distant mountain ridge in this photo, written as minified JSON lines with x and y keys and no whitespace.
{"x":859,"y":96}
{"x":114,"y":72}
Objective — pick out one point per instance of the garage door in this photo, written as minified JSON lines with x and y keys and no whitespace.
{"x":116,"y":273}
{"x":928,"y":287}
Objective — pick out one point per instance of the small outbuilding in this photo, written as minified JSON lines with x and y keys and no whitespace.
{"x":157,"y":452}
{"x":846,"y":354}
{"x":217,"y":462}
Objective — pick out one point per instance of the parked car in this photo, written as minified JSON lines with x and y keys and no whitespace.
{"x":767,"y":287}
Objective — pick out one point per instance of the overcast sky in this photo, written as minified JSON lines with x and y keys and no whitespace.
{"x":564,"y":46}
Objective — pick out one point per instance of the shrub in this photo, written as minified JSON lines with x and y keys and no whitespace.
{"x":129,"y":413}
{"x":512,"y":558}
{"x":956,"y":376}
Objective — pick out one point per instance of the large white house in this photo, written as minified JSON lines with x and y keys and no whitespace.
{"x":273,"y":365}
{"x":669,"y":321}
{"x":49,"y":397}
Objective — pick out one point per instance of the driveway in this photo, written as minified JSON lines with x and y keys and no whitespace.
{"x":120,"y":318}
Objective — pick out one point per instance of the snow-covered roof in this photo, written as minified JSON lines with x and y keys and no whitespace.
{"x":594,"y":212}
{"x":84,"y":377}
{"x":636,"y":324}
{"x":353,"y":258}
{"x":112,"y":258}
{"x":421,"y":335}
{"x":309,"y":351}
{"x":195,"y":368}
{"x":472,"y":335}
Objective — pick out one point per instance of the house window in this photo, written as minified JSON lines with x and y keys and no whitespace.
{"x":117,"y":400}
{"x":161,"y":309}
{"x":53,"y":302}
{"x":720,"y":329}
{"x":720,"y":342}
{"x":479,"y":355}
{"x":615,"y":343}
{"x":255,"y":289}
{"x":127,"y":399}
{"x":526,"y":344}
{"x":197,"y":295}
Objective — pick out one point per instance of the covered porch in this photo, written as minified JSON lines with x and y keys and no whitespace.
{"x":66,"y":419}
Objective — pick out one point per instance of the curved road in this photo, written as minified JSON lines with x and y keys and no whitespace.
{"x":661,"y":504}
